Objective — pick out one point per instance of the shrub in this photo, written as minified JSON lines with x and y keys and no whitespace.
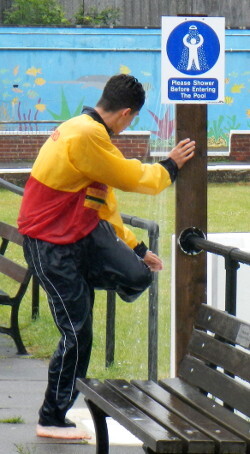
{"x":106,"y":17}
{"x":35,"y":12}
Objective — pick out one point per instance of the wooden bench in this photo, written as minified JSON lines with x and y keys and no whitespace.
{"x":19,"y":277}
{"x":206,"y":409}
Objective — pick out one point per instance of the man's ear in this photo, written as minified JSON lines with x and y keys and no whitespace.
{"x":126,"y":111}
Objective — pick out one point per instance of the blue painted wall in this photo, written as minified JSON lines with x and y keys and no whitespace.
{"x":49,"y":73}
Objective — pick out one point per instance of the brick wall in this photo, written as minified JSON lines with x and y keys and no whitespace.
{"x":134,"y":145}
{"x":20,"y":147}
{"x":24,"y":147}
{"x":240,"y":146}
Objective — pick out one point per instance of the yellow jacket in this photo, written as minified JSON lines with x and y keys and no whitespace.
{"x":72,"y":180}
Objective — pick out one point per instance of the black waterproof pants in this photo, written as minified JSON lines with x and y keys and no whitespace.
{"x":69,"y":274}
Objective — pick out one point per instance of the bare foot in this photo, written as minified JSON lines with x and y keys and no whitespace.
{"x":66,"y":433}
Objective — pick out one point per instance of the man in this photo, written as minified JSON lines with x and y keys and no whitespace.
{"x":74,"y":238}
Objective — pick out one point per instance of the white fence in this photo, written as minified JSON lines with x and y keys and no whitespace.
{"x":147,"y":13}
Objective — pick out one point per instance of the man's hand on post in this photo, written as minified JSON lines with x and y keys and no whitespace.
{"x":182,"y":152}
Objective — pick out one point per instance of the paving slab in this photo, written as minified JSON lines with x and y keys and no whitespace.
{"x":23,"y":381}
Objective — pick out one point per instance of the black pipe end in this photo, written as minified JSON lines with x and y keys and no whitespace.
{"x":184,"y":240}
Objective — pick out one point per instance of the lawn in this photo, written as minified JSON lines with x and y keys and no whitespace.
{"x":228,"y":211}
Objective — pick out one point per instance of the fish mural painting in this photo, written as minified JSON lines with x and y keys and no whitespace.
{"x":50,"y":73}
{"x":94,"y":81}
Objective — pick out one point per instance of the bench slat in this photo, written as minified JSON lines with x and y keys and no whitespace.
{"x":233,"y":393}
{"x":189,"y":408}
{"x":195,"y":440}
{"x":155,"y":436}
{"x":13,"y":270}
{"x":10,"y":233}
{"x":224,"y":325}
{"x":207,"y":406}
{"x":224,"y":438}
{"x":221,"y":354}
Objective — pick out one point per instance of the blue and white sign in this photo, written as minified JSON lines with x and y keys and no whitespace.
{"x":193,"y":60}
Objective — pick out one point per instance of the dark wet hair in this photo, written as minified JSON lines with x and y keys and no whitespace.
{"x":120,"y":92}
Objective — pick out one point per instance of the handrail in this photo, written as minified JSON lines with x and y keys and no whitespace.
{"x":12,"y":187}
{"x":219,"y":249}
{"x":153,"y":234}
{"x":192,"y":241}
{"x":151,"y":226}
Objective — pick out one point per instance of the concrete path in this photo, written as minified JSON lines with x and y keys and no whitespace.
{"x":22,"y":384}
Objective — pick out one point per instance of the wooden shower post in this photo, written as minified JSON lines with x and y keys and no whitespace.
{"x":191,"y":211}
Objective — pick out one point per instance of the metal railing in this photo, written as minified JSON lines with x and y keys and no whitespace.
{"x":193,"y":241}
{"x":153,"y":235}
{"x":28,"y":126}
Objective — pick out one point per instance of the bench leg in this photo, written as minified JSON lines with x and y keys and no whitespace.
{"x":14,"y":330}
{"x":101,"y":429}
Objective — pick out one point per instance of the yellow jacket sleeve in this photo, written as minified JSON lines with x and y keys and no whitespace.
{"x":99,"y":160}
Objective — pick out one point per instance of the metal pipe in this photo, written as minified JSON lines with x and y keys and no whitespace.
{"x":153,"y":234}
{"x":219,"y":249}
{"x":11,"y":187}
{"x":151,"y":226}
{"x":237,"y":50}
{"x":192,"y":242}
{"x":110,"y":327}
{"x":231,"y":267}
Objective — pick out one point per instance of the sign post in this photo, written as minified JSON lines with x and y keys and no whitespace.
{"x":192,"y":64}
{"x":192,"y":77}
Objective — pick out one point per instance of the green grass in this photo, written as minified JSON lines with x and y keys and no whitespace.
{"x":22,"y":449}
{"x":228,"y":211}
{"x":228,"y":207}
{"x":14,"y":420}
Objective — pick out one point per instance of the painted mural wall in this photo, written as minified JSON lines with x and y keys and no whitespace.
{"x":50,"y":73}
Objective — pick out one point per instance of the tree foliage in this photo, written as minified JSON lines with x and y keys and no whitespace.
{"x":35,"y":12}
{"x":105,"y":17}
